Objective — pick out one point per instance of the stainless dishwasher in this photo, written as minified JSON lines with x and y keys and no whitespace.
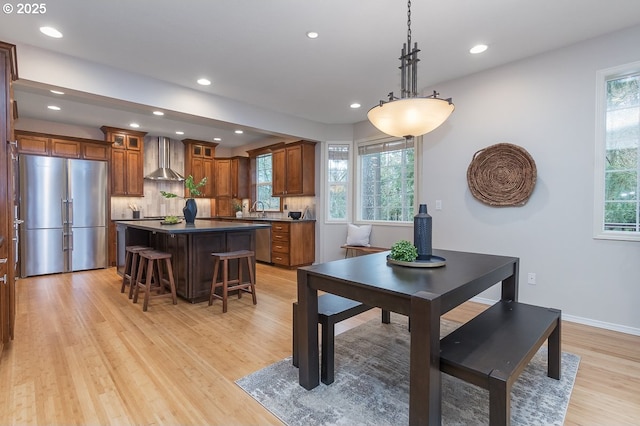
{"x":263,"y":244}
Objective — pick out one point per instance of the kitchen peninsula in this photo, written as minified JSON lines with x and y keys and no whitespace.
{"x":191,"y":247}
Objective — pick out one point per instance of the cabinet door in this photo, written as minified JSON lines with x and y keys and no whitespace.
{"x":278,"y":162}
{"x":223,"y":178}
{"x":294,"y":170}
{"x":208,"y":171}
{"x":134,"y":175}
{"x":33,"y":145}
{"x":134,"y":143}
{"x":64,"y":148}
{"x":118,"y":172}
{"x":240,"y":177}
{"x":95,"y":151}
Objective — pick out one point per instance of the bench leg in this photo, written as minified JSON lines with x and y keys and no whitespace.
{"x":294,"y":351}
{"x":554,"y":353}
{"x":328,"y":355}
{"x":499,"y":399}
{"x":386,"y":317}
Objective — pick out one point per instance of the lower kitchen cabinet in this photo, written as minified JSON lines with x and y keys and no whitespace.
{"x":293,"y":243}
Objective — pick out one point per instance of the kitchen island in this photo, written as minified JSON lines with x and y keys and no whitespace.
{"x":191,"y":247}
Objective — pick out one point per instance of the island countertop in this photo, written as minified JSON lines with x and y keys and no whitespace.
{"x":200,"y":225}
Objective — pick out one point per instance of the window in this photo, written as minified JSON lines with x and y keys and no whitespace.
{"x":337,"y":182}
{"x":617,"y":157}
{"x":386,"y":181}
{"x":264,"y":183}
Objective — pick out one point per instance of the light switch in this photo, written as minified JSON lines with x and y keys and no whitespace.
{"x":438,"y":204}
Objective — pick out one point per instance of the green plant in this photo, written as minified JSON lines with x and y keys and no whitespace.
{"x":191,"y":185}
{"x":237,"y":205}
{"x":404,"y":251}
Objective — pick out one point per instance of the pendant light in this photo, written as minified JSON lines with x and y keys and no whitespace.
{"x":410,"y":115}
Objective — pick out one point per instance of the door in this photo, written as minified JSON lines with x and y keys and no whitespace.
{"x":87,"y":201}
{"x":43,"y":205}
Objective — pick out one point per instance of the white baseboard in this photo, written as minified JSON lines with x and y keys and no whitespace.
{"x":580,"y":320}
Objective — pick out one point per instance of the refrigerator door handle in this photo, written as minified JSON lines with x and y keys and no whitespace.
{"x":63,"y":211}
{"x":70,"y":211}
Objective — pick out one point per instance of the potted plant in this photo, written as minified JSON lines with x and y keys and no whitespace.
{"x":191,"y":208}
{"x":237,"y":207}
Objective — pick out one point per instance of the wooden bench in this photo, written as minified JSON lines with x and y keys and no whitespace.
{"x":331,"y":310}
{"x":361,"y":250}
{"x":493,"y":348}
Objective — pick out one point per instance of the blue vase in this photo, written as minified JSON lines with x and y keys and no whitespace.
{"x":190,"y":210}
{"x":422,"y":233}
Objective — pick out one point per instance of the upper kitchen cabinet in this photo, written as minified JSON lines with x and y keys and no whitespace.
{"x":61,"y":146}
{"x":199,"y":163}
{"x":232,"y":177}
{"x":127,"y":162}
{"x":294,"y":169}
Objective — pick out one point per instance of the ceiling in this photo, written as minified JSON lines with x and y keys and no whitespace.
{"x":256,"y":51}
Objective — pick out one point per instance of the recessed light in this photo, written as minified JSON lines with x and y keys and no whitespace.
{"x":217,"y":139}
{"x":312,"y":34}
{"x":159,"y":113}
{"x":179,"y":132}
{"x":204,"y":82}
{"x":51,"y":32}
{"x":355,"y":105}
{"x":238,"y":132}
{"x":134,"y":125}
{"x":56,"y":92}
{"x":478,"y":48}
{"x":54,"y":107}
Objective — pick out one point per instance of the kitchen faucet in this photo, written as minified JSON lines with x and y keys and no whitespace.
{"x":255,"y":209}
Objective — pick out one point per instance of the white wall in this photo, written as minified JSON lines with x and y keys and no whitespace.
{"x":545,"y":104}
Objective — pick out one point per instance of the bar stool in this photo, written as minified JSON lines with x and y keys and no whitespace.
{"x":249,"y":287}
{"x":154,"y":279}
{"x":130,"y":266}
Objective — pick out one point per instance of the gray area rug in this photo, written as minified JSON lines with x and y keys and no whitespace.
{"x":372,"y":385}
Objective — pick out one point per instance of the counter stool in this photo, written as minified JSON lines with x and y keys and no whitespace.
{"x":130,"y":266}
{"x":154,"y":278}
{"x":249,"y":287}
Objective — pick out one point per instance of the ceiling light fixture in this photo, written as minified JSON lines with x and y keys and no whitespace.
{"x":217,"y":139}
{"x":179,"y":132}
{"x":410,"y":115}
{"x":54,"y":107}
{"x":158,"y":113}
{"x":238,"y":132}
{"x":204,"y":82}
{"x":478,"y":48}
{"x":355,"y":105}
{"x":56,"y":92}
{"x":312,"y":34}
{"x":134,"y":125}
{"x":51,"y":32}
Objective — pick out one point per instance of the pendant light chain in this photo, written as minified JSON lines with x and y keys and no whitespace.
{"x":409,"y":24}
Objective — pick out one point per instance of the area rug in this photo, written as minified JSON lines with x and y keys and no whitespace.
{"x":372,"y":385}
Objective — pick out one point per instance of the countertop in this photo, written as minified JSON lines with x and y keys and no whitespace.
{"x":200,"y":225}
{"x":265,"y":219}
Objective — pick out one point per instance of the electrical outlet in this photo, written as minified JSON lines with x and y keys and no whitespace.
{"x":531,"y":278}
{"x":438,"y":204}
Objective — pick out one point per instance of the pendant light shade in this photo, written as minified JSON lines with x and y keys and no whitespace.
{"x":410,"y":117}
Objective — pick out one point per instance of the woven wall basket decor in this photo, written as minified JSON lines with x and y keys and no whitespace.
{"x":502,"y":175}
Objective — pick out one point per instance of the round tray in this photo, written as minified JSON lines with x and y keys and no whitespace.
{"x":170,"y":223}
{"x":434,"y":262}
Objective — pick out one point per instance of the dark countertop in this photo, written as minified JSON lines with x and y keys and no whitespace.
{"x":264,"y":219}
{"x":200,"y":225}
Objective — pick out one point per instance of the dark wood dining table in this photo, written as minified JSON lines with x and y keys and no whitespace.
{"x":422,"y":294}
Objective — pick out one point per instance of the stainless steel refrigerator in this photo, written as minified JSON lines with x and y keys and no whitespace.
{"x":63,"y":203}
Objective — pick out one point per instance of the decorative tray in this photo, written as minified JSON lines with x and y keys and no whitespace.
{"x":434,"y":262}
{"x":164,"y":222}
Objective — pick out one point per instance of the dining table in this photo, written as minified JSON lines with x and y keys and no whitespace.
{"x":420,"y":292}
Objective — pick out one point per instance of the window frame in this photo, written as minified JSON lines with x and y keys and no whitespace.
{"x":257,"y":184}
{"x":357,"y":173}
{"x":602,"y":77}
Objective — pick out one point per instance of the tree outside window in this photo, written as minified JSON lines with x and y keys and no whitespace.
{"x":264,"y":183}
{"x":337,"y":182}
{"x":387,"y":181}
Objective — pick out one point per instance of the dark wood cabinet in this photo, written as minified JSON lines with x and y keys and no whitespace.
{"x":199,"y":162}
{"x":293,"y":243}
{"x":294,"y":169}
{"x":61,"y":146}
{"x":127,"y":161}
{"x":232,"y":182}
{"x":8,"y":195}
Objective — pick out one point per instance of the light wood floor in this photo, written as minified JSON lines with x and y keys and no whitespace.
{"x":84,"y":354}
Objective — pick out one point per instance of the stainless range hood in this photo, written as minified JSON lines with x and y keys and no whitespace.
{"x":164,"y":171}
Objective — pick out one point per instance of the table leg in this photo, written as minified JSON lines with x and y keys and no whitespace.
{"x":510,"y":285}
{"x":307,"y":329}
{"x":425,"y":380}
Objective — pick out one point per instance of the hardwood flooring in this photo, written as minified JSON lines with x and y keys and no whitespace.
{"x":84,"y":354}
